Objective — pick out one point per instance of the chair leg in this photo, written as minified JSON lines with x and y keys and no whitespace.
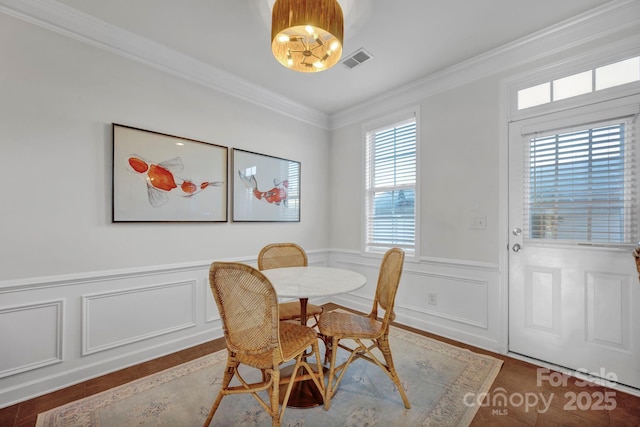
{"x":274,"y":396}
{"x":229,"y":372}
{"x":292,"y":380}
{"x":332,"y":346}
{"x":383,"y":345}
{"x":328,"y":348}
{"x":213,"y":409}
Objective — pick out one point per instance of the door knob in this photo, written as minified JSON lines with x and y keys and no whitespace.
{"x":517,"y":231}
{"x":516,"y":248}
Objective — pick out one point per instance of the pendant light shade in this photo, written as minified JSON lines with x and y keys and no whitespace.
{"x":307,"y":35}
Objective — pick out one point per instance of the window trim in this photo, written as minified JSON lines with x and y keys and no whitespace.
{"x":390,"y":119}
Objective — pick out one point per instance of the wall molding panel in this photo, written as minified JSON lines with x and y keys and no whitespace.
{"x":110,"y":320}
{"x":21,"y":327}
{"x":114,"y":319}
{"x":450,"y":308}
{"x":473,"y":320}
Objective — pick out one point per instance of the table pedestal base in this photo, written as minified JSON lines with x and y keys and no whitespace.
{"x":304,"y":394}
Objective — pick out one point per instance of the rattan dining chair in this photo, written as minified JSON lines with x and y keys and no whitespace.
{"x":248,"y":306}
{"x":367,"y":331}
{"x":277,"y":255}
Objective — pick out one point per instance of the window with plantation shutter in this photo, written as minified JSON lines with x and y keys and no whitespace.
{"x":391,"y":195}
{"x":581,"y":185}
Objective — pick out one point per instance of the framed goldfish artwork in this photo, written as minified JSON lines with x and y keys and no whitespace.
{"x":165,"y":178}
{"x":265,"y":188}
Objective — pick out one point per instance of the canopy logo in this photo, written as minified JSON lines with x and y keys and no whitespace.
{"x":500,"y":400}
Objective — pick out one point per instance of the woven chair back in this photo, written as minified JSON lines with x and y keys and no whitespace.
{"x":388,"y":281}
{"x":278,"y":255}
{"x":248,"y":307}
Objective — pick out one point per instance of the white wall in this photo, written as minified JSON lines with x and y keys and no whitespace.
{"x":458,"y":174}
{"x":72,"y":283}
{"x":59,"y":98}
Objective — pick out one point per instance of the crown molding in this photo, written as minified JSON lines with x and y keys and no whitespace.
{"x":606,"y":20}
{"x":70,"y":22}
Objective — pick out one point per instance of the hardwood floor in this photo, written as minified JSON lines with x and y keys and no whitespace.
{"x":552,"y":400}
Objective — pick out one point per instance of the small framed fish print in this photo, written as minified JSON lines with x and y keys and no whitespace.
{"x":165,"y":178}
{"x":265,"y":188}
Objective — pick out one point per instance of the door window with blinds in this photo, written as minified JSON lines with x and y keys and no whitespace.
{"x":581,"y":185}
{"x":391,"y":194}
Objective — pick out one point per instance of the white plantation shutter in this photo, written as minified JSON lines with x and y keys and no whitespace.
{"x":581,"y":185}
{"x":391,"y":187}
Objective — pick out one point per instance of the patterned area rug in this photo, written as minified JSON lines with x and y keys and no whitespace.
{"x":436,"y":376}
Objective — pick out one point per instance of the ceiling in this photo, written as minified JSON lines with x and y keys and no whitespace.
{"x":408,"y":39}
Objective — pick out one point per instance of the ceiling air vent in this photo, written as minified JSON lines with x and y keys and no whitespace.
{"x":357,"y":58}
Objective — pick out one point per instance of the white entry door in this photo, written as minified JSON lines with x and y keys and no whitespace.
{"x":574,"y":293}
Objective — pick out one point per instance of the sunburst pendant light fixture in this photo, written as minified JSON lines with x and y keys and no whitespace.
{"x":307,"y":35}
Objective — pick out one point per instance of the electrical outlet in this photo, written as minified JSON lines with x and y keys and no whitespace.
{"x":478,"y":222}
{"x":432,"y":299}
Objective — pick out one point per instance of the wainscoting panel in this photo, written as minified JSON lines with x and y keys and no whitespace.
{"x":31,"y":337}
{"x":451,"y":298}
{"x":114,"y":319}
{"x":106,"y":321}
{"x":61,"y":330}
{"x":442,"y":299}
